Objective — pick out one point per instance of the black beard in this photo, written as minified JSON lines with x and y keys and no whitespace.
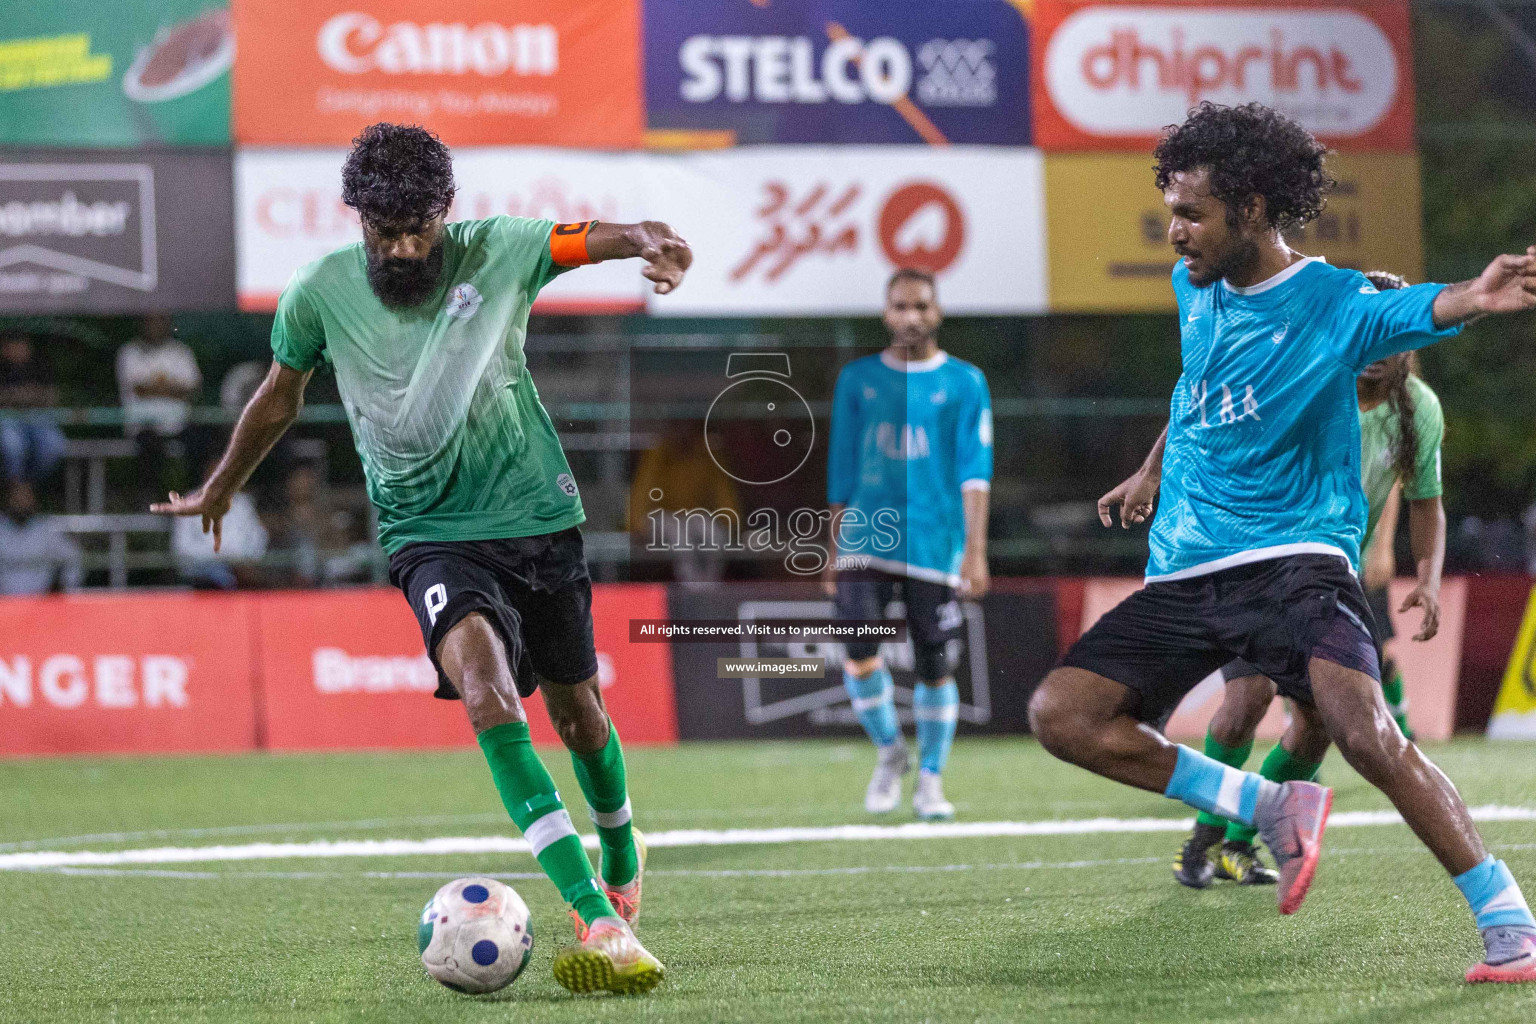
{"x":1242,"y":258}
{"x":401,"y":283}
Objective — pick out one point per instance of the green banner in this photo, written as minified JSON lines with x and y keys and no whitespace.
{"x":127,"y":73}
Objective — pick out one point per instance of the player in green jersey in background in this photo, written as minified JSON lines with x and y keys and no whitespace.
{"x":423,"y":323}
{"x":1401,"y":427}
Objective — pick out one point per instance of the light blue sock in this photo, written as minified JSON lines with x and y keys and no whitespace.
{"x":1495,"y":898}
{"x":1206,"y":784}
{"x":873,"y":699}
{"x":936,"y":708}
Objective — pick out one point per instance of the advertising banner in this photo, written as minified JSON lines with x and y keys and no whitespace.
{"x":1112,"y":75}
{"x":347,"y":669}
{"x":290,"y":212}
{"x":81,"y":674}
{"x":85,"y":73}
{"x":1007,"y":644}
{"x":1514,"y":711}
{"x":1429,"y":669}
{"x":90,"y":231}
{"x":723,"y":72}
{"x":1108,"y":227}
{"x":477,"y":72}
{"x":818,"y":230}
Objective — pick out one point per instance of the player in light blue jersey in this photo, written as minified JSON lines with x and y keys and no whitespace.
{"x":1256,"y":542}
{"x":908,"y":479}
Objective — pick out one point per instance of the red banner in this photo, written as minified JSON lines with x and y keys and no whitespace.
{"x":348,"y":669}
{"x":477,"y":72}
{"x":112,"y":674}
{"x":1112,"y":75}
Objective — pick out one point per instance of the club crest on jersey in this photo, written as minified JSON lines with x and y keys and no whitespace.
{"x":565,"y":482}
{"x":463,"y":302}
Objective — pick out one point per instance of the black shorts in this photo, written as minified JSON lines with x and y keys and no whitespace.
{"x":1276,"y":615}
{"x":534,"y":590}
{"x":1380,"y":622}
{"x":933,"y":616}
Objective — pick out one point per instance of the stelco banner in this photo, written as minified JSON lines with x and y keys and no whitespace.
{"x":748,"y":71}
{"x":1113,"y":75}
{"x":1108,"y":227}
{"x":290,"y":212}
{"x":818,"y":230}
{"x":478,"y":72}
{"x":86,"y":73}
{"x":114,"y":232}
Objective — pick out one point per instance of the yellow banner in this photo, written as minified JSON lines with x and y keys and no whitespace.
{"x":1514,"y":713}
{"x":1107,"y":227}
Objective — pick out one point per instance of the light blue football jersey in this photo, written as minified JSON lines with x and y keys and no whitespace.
{"x":1263,"y":453}
{"x":907,"y":439}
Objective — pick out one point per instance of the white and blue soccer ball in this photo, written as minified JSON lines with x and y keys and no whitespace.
{"x":475,"y":935}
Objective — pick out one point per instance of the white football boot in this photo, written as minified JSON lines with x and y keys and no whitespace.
{"x":928,"y":798}
{"x":884,"y":792}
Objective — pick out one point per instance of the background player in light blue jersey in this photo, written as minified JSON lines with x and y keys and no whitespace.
{"x":908,"y":479}
{"x":1255,"y":544}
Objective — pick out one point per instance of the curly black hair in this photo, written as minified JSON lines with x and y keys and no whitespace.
{"x":398,"y":174}
{"x":1251,"y":150}
{"x":1405,"y":454}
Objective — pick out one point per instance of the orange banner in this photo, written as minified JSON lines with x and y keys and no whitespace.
{"x":477,"y":72}
{"x":87,"y":674}
{"x":348,"y":669}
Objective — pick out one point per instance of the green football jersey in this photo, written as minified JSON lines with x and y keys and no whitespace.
{"x":1379,"y":438}
{"x":454,"y":441}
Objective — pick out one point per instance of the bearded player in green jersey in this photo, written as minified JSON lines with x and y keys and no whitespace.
{"x":1401,"y":427}
{"x":423,"y":323}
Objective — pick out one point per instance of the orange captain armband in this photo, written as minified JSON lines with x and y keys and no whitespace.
{"x":568,"y":244}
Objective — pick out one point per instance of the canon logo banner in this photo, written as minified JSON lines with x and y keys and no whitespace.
{"x":356,"y":43}
{"x":1117,"y":74}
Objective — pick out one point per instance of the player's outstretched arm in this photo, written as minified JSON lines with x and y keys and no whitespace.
{"x":1137,"y":494}
{"x":666,"y":255}
{"x":1508,"y":285}
{"x":270,"y":412}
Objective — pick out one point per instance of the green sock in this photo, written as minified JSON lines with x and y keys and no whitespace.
{"x":1397,"y":701}
{"x":1279,"y":766}
{"x":601,"y":774}
{"x":529,"y":795}
{"x":1233,"y":756}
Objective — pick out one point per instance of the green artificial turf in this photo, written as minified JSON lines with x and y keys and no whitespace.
{"x":1050,"y":928}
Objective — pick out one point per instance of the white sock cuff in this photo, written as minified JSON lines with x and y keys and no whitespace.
{"x":870,"y":703}
{"x":610,"y":819}
{"x":551,"y":828}
{"x":950,"y":713}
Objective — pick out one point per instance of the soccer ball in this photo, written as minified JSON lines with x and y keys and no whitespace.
{"x":475,"y":935}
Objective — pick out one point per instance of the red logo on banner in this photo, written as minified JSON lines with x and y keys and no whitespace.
{"x":1113,"y":75}
{"x":921,"y":227}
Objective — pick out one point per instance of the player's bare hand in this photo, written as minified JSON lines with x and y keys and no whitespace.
{"x":198,"y":503}
{"x":667,"y":257}
{"x":829,"y":578}
{"x":1135,"y":498}
{"x":975,"y":580}
{"x":1427,"y":598}
{"x":1508,"y":284}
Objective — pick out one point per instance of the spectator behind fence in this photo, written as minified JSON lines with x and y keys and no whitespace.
{"x":31,"y":442}
{"x":243,"y":543}
{"x":36,"y":557}
{"x":157,"y":378}
{"x":680,"y":501}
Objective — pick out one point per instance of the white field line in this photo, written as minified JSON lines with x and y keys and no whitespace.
{"x":660,"y":840}
{"x":524,"y":876}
